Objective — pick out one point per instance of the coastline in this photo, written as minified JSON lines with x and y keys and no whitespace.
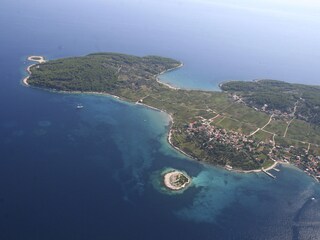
{"x":229,"y":81}
{"x":163,"y":72}
{"x":25,"y":80}
{"x":38,"y":60}
{"x":224,"y":82}
{"x":171,"y":120}
{"x":169,"y":136}
{"x":256,"y":170}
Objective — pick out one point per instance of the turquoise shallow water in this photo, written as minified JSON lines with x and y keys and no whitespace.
{"x":88,"y":174}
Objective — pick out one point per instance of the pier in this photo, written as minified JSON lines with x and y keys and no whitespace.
{"x":269,"y":174}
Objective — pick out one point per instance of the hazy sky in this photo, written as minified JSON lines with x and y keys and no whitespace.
{"x":306,"y":7}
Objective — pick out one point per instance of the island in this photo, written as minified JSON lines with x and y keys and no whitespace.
{"x":176,"y":180}
{"x":246,"y":127}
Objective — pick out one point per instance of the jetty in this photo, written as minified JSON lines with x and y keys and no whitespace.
{"x":269,"y":174}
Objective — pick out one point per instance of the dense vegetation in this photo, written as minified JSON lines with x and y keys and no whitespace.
{"x":134,"y":79}
{"x":181,"y":180}
{"x":98,"y":72}
{"x":280,"y":96}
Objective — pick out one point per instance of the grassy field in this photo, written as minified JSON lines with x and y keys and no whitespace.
{"x":236,"y":125}
{"x":263,"y":136}
{"x":303,"y":131}
{"x":277,"y":126}
{"x":286,"y":142}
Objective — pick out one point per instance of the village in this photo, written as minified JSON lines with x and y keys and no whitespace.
{"x":264,"y":152}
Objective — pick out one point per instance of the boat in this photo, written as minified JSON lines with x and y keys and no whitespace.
{"x":79,"y":106}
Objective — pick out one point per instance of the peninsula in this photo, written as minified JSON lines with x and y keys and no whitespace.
{"x":234,"y":128}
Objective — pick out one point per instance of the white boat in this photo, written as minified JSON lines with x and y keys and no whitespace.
{"x":79,"y":106}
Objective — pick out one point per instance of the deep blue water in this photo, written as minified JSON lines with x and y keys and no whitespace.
{"x":89,"y":174}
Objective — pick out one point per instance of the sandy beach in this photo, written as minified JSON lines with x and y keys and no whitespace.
{"x":39,"y":60}
{"x":271,"y":167}
{"x":255,"y":170}
{"x":25,"y":80}
{"x":169,"y":70}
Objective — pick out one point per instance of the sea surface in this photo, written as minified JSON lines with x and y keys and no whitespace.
{"x":94,"y":173}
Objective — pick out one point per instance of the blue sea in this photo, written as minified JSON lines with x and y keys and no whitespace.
{"x":94,"y":173}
